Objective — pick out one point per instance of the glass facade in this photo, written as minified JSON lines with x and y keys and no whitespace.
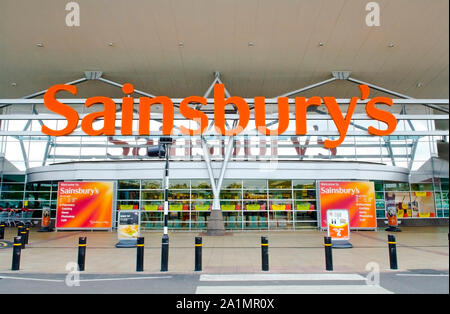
{"x":246,"y":204}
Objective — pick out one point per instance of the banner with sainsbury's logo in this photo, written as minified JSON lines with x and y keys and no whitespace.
{"x":85,"y":205}
{"x":356,"y":196}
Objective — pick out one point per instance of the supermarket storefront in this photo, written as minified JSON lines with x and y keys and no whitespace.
{"x":262,"y":171}
{"x":251,"y":198}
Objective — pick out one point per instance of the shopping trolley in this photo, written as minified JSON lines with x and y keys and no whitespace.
{"x":27,"y":216}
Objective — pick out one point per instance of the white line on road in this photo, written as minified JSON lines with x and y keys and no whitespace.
{"x":83,"y":280}
{"x":32,"y":279}
{"x":322,"y":289}
{"x":129,"y":278}
{"x":281,"y":277}
{"x":423,"y":275}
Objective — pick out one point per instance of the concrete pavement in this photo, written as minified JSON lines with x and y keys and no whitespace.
{"x":238,"y":252}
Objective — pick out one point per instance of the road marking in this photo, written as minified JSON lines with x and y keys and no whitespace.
{"x":83,"y":280}
{"x":306,"y":289}
{"x":280,"y":277}
{"x":423,"y":275}
{"x":32,"y":279}
{"x":126,"y":278}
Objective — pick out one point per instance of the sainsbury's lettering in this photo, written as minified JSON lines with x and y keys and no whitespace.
{"x":108,"y":114}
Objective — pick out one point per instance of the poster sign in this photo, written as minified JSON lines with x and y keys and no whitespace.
{"x":85,"y":205}
{"x":391,"y":212}
{"x":357,"y":197}
{"x":128,"y":227}
{"x":338,"y":224}
{"x":45,"y":220}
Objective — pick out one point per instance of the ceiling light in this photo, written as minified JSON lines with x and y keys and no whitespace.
{"x":40,"y":45}
{"x":251,"y":43}
{"x":391,"y":45}
{"x":110,"y":44}
{"x":419,"y":85}
{"x":321,"y":44}
{"x":14,"y":84}
{"x":181,"y":44}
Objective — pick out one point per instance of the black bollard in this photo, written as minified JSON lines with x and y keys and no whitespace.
{"x":140,"y":254}
{"x":17,"y":249}
{"x":2,"y":231}
{"x":165,"y":253}
{"x":328,"y":254}
{"x":23,"y":235}
{"x":27,"y":234}
{"x":198,"y":253}
{"x":81,"y":253}
{"x":392,"y":251}
{"x":19,"y":230}
{"x":265,"y":253}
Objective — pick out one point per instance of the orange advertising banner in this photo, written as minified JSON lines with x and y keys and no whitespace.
{"x":85,"y":205}
{"x":355,"y":196}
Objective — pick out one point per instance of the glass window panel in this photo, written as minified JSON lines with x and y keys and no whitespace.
{"x":37,"y":196}
{"x":151,"y":184}
{"x":152,"y":206}
{"x":200,"y":184}
{"x":280,"y":194}
{"x":202,"y":194}
{"x":37,"y":204}
{"x":231,"y":184}
{"x":422,"y":187}
{"x":255,"y":194}
{"x":255,"y":206}
{"x":179,"y":195}
{"x":128,"y":194}
{"x":396,"y":186}
{"x":379,"y":186}
{"x":153,"y":195}
{"x":305,"y":205}
{"x":304,"y":184}
{"x":128,"y":184}
{"x":280,"y":184}
{"x":306,"y":216}
{"x":202,"y":205}
{"x":403,"y":203}
{"x":230,"y":194}
{"x":255,"y":220}
{"x":40,"y":187}
{"x":254,"y":184}
{"x":230,"y":205}
{"x":232,"y":220}
{"x":280,"y":220}
{"x":12,"y":187}
{"x":199,"y":219}
{"x":179,"y":184}
{"x":11,"y":195}
{"x":280,"y":205}
{"x":13,"y":178}
{"x":128,"y":205}
{"x":305,"y":194}
{"x":179,"y":205}
{"x":423,"y":204}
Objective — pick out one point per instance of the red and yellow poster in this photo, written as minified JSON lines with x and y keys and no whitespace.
{"x":84,"y":205}
{"x":357,"y":197}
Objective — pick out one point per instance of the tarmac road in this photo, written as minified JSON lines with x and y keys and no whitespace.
{"x":421,"y":281}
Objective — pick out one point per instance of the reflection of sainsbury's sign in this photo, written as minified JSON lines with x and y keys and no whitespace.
{"x":220,"y":102}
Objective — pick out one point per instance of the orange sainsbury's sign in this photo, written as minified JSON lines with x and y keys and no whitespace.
{"x":108,"y":114}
